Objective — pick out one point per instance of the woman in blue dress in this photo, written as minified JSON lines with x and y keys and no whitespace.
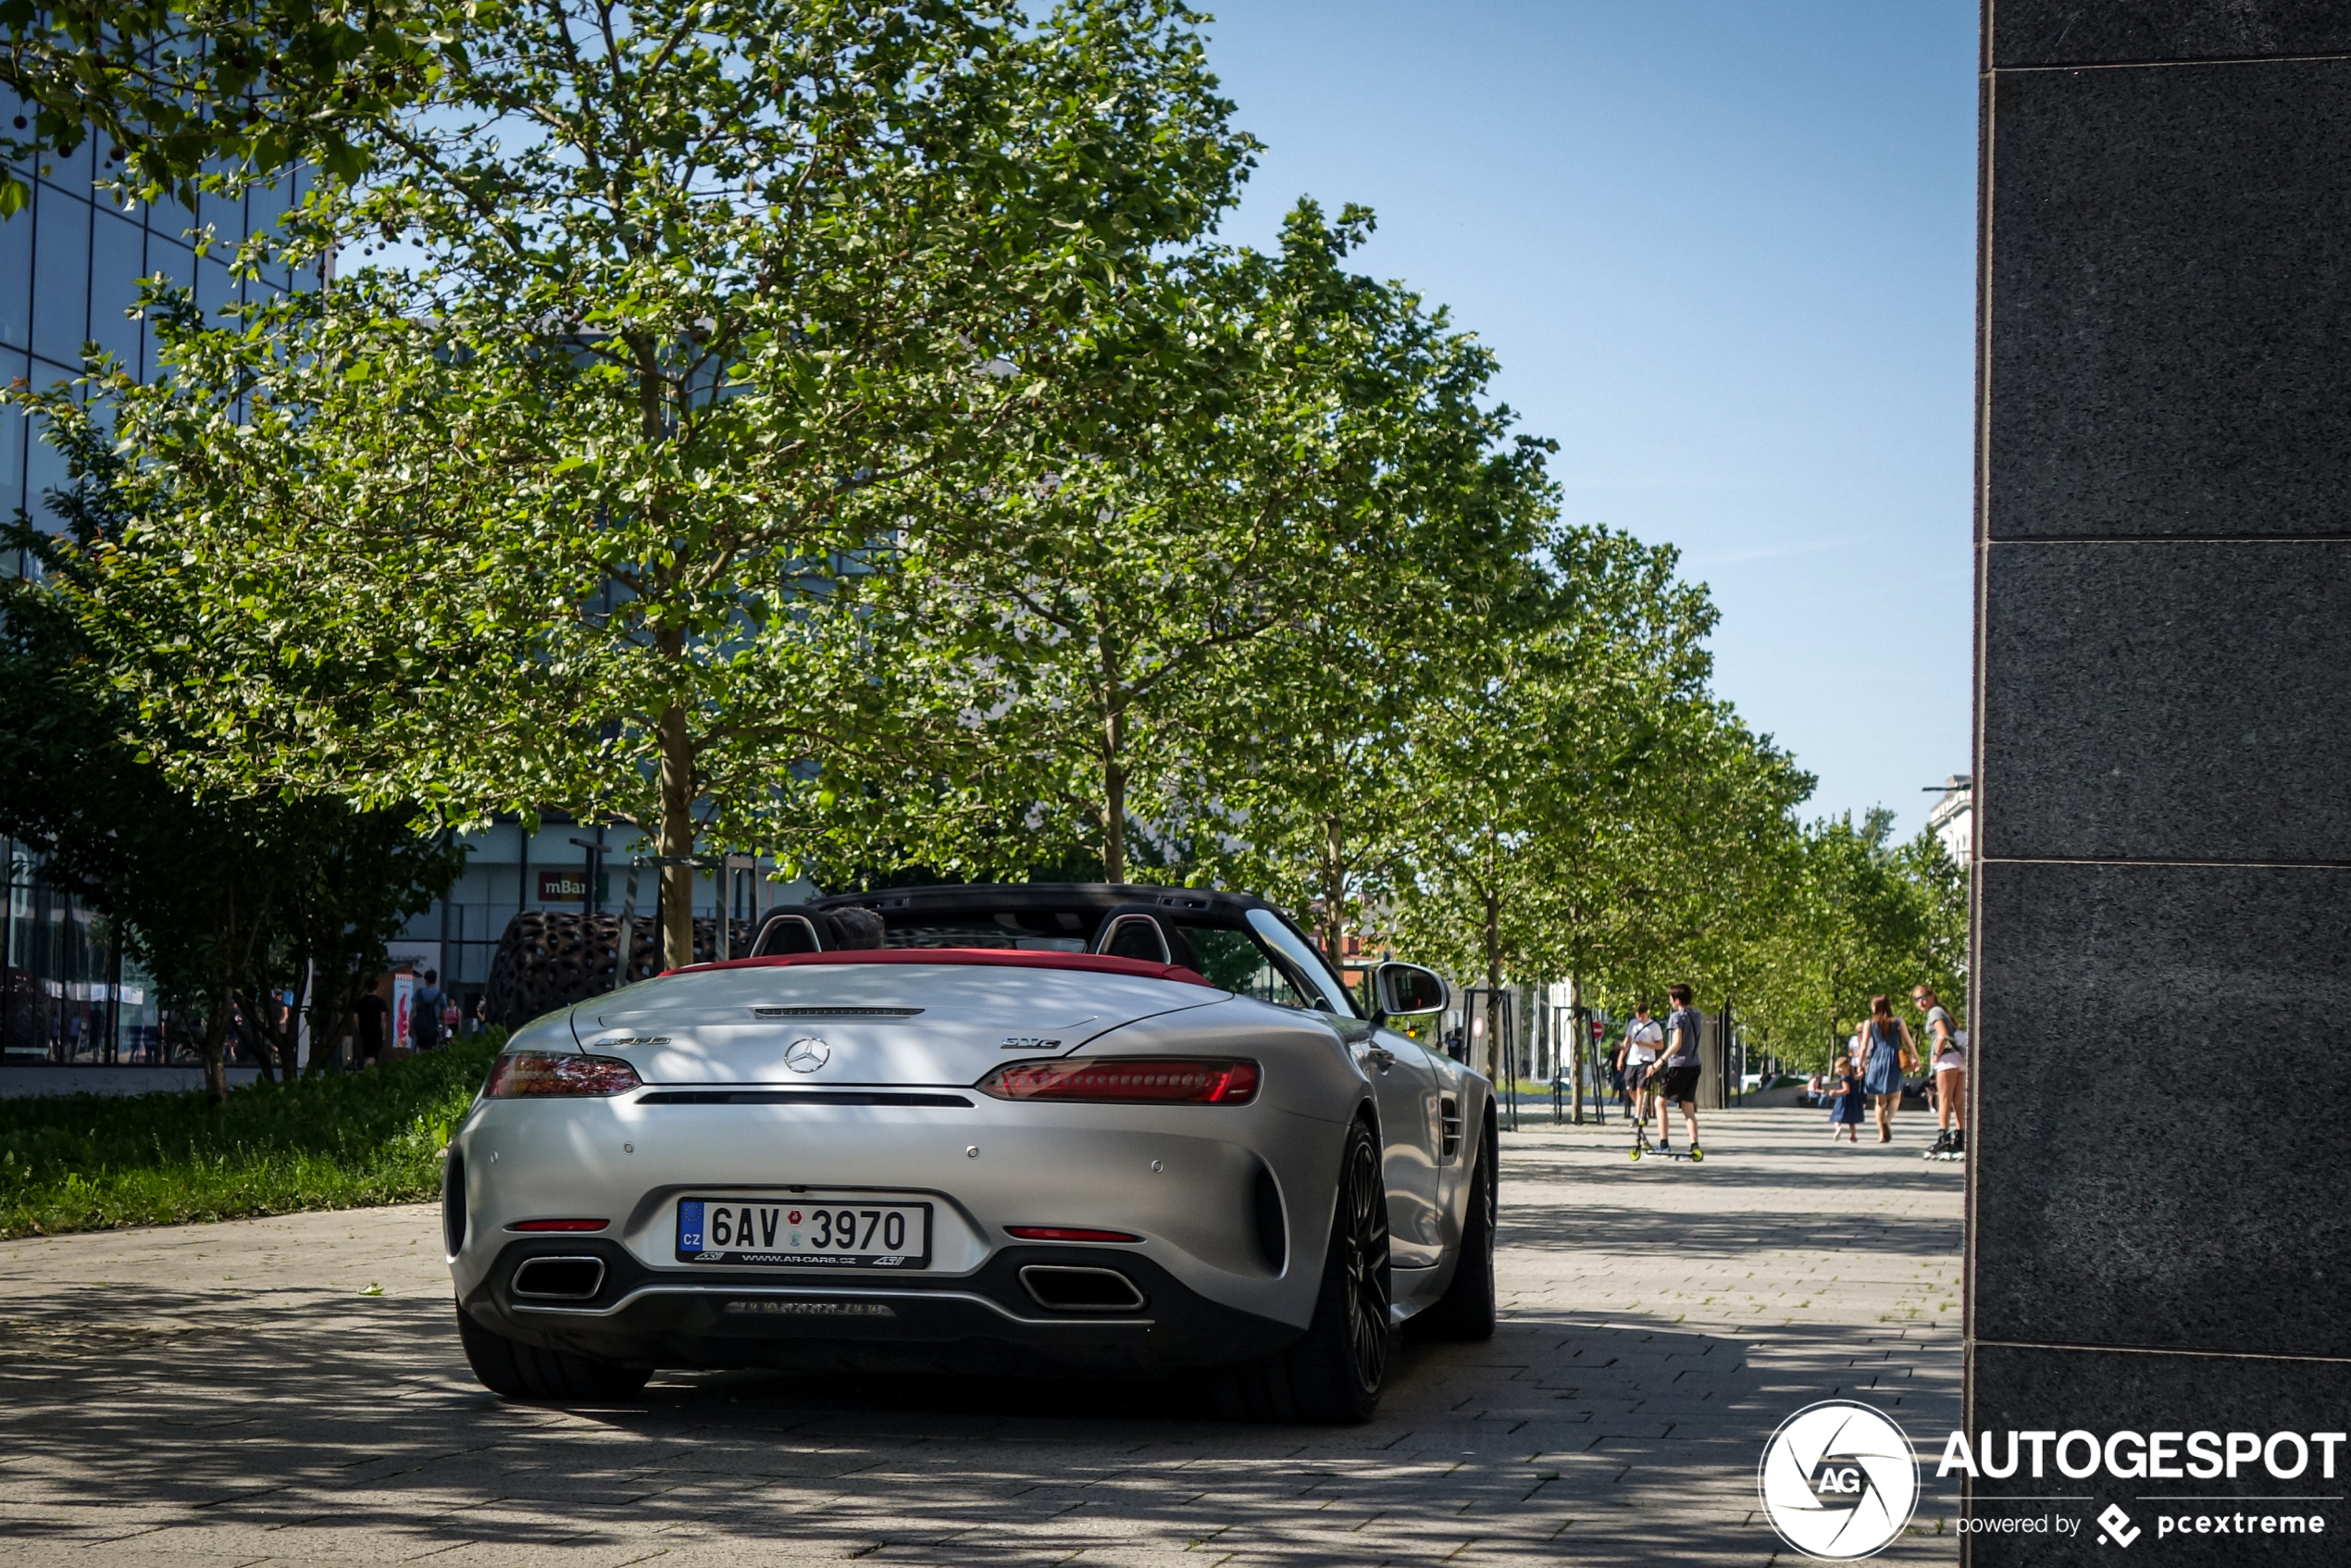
{"x":1887,"y":1054}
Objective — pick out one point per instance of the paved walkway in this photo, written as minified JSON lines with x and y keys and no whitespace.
{"x":227,"y":1394}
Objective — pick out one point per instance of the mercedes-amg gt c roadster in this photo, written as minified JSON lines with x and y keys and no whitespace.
{"x":1089,"y":1130}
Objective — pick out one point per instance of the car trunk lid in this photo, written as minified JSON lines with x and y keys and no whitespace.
{"x":818,"y":1025}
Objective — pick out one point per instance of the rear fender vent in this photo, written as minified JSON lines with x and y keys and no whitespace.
{"x":1448,"y":1118}
{"x":1065,"y":1289}
{"x":453,"y":1202}
{"x":1272,"y":1231}
{"x":559,"y":1279}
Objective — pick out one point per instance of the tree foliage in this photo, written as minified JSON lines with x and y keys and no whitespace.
{"x":1859,"y":916}
{"x":226,"y":899}
{"x":830,"y":429}
{"x":580,"y":510}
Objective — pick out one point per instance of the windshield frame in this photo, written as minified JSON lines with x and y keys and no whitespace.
{"x":1295,"y":953}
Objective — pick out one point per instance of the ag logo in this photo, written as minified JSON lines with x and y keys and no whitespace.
{"x":807,"y":1053}
{"x":1838,"y":1480}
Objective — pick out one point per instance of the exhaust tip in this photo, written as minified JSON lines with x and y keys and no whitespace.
{"x":559,"y":1279}
{"x":1062,"y":1288}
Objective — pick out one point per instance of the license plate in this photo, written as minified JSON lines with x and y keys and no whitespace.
{"x":820,"y":1232}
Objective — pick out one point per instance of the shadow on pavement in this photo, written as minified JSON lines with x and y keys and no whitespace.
{"x":310,"y":1426}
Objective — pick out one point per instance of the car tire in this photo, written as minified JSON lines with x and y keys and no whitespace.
{"x":1466,"y":1309}
{"x":1333,"y":1372}
{"x":515,"y":1371}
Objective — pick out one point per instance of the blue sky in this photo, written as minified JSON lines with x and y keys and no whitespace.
{"x":1725,"y":253}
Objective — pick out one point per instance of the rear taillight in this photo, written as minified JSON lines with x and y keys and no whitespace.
{"x":1131,"y":1079}
{"x":523,"y":1074}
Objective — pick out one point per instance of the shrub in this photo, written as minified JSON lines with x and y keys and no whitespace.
{"x":93,"y":1161}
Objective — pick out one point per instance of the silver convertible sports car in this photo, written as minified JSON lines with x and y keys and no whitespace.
{"x":1050,"y":1129}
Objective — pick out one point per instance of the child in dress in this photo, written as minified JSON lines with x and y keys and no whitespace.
{"x":1847,"y":1104}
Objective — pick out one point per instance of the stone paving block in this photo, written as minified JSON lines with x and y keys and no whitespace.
{"x":246,"y":1405}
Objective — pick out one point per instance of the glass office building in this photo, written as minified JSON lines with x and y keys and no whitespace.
{"x":510,"y":870}
{"x":70,"y":268}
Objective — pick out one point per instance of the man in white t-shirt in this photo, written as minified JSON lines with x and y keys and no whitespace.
{"x":1644,"y":1042}
{"x":1947,"y":1052}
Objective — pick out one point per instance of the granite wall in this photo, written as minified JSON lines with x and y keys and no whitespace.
{"x":2160,"y":1198}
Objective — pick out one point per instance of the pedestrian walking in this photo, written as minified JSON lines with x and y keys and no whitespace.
{"x":1889,"y":1056}
{"x":1847,"y":1103}
{"x":1950,"y":1073}
{"x":425,"y":1021}
{"x":1643,"y":1043}
{"x":1677,"y":1077}
{"x":372,"y":1011}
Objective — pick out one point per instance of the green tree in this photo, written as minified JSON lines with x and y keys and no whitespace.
{"x":586,"y":508}
{"x":1529,"y":781}
{"x":223,"y":899}
{"x":1170,"y":532}
{"x":1864,"y":916}
{"x":1445,"y":508}
{"x":207,"y":94}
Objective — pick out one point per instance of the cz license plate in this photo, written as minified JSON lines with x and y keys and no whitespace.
{"x":816,"y":1232}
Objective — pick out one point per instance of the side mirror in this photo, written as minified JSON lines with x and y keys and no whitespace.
{"x":1407,"y":990}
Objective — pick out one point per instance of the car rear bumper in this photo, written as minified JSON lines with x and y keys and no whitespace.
{"x":990,"y":1321}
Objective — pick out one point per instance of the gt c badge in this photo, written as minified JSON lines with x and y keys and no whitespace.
{"x":807,"y":1053}
{"x":1028,"y":1043}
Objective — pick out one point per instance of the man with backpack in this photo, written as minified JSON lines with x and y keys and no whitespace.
{"x":425,"y":1020}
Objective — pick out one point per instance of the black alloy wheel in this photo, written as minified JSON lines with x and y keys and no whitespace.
{"x":1365,"y":1197}
{"x":1332,"y":1372}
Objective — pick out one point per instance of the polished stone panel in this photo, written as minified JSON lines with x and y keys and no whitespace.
{"x":2170,"y":302}
{"x":2155,"y":1090}
{"x":2065,"y":32}
{"x":2024,"y":1388}
{"x":2167,"y":700}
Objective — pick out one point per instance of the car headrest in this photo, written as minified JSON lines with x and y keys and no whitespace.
{"x":790,"y":931}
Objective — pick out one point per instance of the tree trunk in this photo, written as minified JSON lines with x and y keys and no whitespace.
{"x":333,"y":994}
{"x":212,"y":1048}
{"x":1570,"y":1059}
{"x":676,"y":840}
{"x":1492,"y":1068}
{"x":1114,"y":797}
{"x":1334,"y":895}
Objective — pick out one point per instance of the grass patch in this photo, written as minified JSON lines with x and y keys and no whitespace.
{"x":93,"y":1161}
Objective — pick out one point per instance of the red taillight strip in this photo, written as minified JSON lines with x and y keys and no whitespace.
{"x":521,"y":1074}
{"x":559,"y":1224}
{"x":1127,"y":1081}
{"x":1065,"y":1233}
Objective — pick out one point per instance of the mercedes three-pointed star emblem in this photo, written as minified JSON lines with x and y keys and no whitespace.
{"x":807,"y":1053}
